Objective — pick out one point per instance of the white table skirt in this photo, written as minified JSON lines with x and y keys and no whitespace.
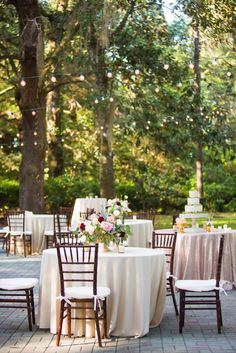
{"x":195,"y":252}
{"x":81,"y":205}
{"x":141,"y":230}
{"x":137,"y":280}
{"x":38,"y":224}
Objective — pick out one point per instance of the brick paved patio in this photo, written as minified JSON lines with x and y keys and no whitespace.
{"x":199,"y":333}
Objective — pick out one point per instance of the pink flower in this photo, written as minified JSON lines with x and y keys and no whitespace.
{"x":107,"y":226}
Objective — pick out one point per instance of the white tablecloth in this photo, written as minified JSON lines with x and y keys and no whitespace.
{"x":195,"y":251}
{"x":141,"y":230}
{"x":137,"y":282}
{"x":38,"y":224}
{"x":82,"y":204}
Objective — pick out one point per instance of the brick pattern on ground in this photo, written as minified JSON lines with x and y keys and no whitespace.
{"x":200,"y":333}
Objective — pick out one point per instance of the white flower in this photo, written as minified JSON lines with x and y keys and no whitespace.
{"x":116,"y":213}
{"x":95,"y":221}
{"x":90,"y":228}
{"x":83,"y":239}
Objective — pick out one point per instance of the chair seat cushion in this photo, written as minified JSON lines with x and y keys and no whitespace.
{"x":4,"y":230}
{"x":86,"y":292}
{"x":49,"y":233}
{"x":17,"y":283}
{"x":15,"y":233}
{"x":196,"y":285}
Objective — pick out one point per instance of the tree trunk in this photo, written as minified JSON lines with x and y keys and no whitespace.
{"x":31,"y":97}
{"x":197,"y":104}
{"x":105,"y":118}
{"x":55,"y":148}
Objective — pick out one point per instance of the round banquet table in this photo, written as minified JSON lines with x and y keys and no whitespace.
{"x":141,"y":232}
{"x":137,"y":279}
{"x":37,"y":224}
{"x":196,"y":252}
{"x":81,"y":205}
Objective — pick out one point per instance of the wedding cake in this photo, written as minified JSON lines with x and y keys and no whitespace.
{"x":193,"y":202}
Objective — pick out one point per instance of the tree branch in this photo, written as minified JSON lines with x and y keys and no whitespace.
{"x":125,"y":18}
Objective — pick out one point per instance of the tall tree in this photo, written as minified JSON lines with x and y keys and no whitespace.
{"x":30,"y":95}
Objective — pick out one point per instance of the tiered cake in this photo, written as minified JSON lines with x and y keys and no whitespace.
{"x":193,"y":203}
{"x":193,"y":208}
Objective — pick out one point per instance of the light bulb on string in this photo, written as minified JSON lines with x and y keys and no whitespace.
{"x":109,"y":75}
{"x":54,"y":110}
{"x":191,"y":66}
{"x":35,"y":133}
{"x":0,"y":136}
{"x":111,"y":99}
{"x":33,"y":112}
{"x":23,"y":82}
{"x":96,"y":101}
{"x":166,"y":66}
{"x":180,"y":84}
{"x":53,"y":79}
{"x":49,"y":142}
{"x":18,"y":135}
{"x":1,"y":147}
{"x":229,"y":73}
{"x":62,"y":140}
{"x":35,"y":143}
{"x":157,"y":89}
{"x":137,"y":72}
{"x":22,"y":144}
{"x":81,"y":77}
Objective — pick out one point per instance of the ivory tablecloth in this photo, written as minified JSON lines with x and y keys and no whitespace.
{"x":137,"y":282}
{"x":196,"y":252}
{"x":81,"y":205}
{"x":196,"y":255}
{"x":141,"y":230}
{"x":38,"y":224}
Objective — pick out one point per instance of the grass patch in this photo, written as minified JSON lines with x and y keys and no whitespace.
{"x":219,"y":219}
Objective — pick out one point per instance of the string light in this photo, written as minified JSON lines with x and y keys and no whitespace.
{"x":53,"y":79}
{"x":137,"y":72}
{"x":35,"y":143}
{"x":229,"y":73}
{"x":81,"y":77}
{"x":111,"y":99}
{"x":22,"y":144}
{"x":33,"y":112}
{"x":23,"y":83}
{"x":35,"y":133}
{"x":157,"y":90}
{"x":96,"y":101}
{"x":109,"y":75}
{"x":191,"y":66}
{"x":166,"y":66}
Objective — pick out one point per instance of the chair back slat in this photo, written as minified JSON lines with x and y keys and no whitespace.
{"x":78,"y":264}
{"x":166,"y":242}
{"x":16,"y":221}
{"x":66,"y":238}
{"x":219,"y":262}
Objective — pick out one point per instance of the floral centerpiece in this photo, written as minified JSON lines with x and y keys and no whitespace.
{"x":108,"y":226}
